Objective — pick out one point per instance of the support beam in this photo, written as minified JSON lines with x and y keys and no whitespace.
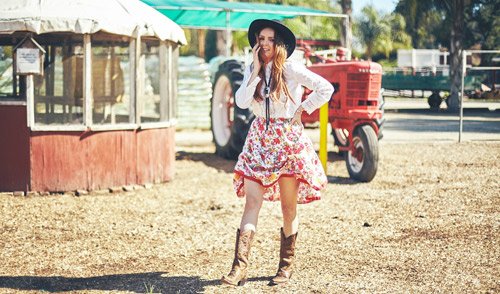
{"x":133,"y":89}
{"x":87,"y":80}
{"x":30,"y":101}
{"x":464,"y":68}
{"x":229,"y":40}
{"x":164,"y":86}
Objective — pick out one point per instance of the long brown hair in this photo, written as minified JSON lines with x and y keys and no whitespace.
{"x":278,"y":80}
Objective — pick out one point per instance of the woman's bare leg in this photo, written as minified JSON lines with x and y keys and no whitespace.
{"x":254,"y":197}
{"x":239,"y":269}
{"x":289,"y":188}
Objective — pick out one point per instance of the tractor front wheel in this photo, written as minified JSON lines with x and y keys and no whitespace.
{"x":362,"y":158}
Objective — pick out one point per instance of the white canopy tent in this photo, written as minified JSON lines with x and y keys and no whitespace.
{"x":96,"y":82}
{"x":121,"y":17}
{"x":102,"y":58}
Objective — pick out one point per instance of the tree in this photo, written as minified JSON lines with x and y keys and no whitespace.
{"x":482,"y":24}
{"x":372,"y":29}
{"x":456,"y":24}
{"x":396,"y":38}
{"x":346,"y":29}
{"x":418,"y":15}
{"x":430,"y":30}
{"x":381,"y":33}
{"x":456,"y":9}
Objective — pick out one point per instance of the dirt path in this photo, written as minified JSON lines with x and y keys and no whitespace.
{"x":428,"y":222}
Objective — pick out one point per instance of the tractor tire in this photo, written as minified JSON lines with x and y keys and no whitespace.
{"x":434,"y":100}
{"x":229,"y":123}
{"x":380,"y":122}
{"x":362,"y":163}
{"x":340,"y":138}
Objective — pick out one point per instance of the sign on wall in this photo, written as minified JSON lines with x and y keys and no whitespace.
{"x":29,"y":57}
{"x":28,"y":61}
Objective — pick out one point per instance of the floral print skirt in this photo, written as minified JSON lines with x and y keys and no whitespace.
{"x":281,"y":151}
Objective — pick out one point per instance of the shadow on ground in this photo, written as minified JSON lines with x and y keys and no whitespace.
{"x":440,"y":125}
{"x":209,"y":159}
{"x":226,"y":165}
{"x":444,"y":112}
{"x":138,"y":283}
{"x":153,"y":282}
{"x":475,"y":121}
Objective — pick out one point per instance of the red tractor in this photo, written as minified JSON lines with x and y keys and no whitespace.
{"x":355,"y":109}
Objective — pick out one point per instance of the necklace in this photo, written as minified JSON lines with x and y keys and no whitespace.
{"x":267,"y":91}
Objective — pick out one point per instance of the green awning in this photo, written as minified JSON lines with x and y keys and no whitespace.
{"x":222,"y":15}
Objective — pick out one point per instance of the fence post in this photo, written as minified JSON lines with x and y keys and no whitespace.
{"x":464,"y":64}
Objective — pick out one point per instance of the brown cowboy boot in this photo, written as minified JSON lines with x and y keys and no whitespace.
{"x":287,"y":256}
{"x":238,"y":274}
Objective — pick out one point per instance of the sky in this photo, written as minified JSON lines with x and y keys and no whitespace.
{"x":386,"y":6}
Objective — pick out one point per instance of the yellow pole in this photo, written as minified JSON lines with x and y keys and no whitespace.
{"x":323,"y":135}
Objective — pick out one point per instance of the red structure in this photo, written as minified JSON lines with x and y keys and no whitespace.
{"x":86,"y":104}
{"x":15,"y":149}
{"x":65,"y":161}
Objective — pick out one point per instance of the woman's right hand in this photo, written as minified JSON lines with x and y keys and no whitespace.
{"x":256,"y":61}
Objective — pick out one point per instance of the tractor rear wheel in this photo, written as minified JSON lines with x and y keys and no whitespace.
{"x":362,"y":159}
{"x":229,"y":123}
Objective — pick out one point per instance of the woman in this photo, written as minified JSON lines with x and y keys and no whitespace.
{"x":278,"y":161}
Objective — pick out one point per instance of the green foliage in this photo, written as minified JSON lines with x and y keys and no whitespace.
{"x":415,"y":13}
{"x":381,"y":33}
{"x":240,"y":40}
{"x":483,"y":24}
{"x":429,"y":22}
{"x":318,"y":28}
{"x":428,"y":31}
{"x":192,"y":40}
{"x":372,"y":30}
{"x":388,"y":63}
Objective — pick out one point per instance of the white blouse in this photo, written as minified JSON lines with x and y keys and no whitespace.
{"x":296,"y":75}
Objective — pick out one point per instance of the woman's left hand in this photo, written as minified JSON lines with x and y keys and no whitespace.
{"x":297,"y":117}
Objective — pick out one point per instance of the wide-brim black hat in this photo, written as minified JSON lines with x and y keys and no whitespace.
{"x":286,"y":34}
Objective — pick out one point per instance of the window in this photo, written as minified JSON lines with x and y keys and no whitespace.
{"x":10,"y":83}
{"x":59,"y":92}
{"x":149,"y":101}
{"x":6,"y":69}
{"x":131,"y":84}
{"x":111,"y":81}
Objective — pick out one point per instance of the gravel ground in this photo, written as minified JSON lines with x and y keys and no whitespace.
{"x":428,"y":222}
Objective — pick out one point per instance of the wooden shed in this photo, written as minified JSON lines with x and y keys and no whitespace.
{"x":101,"y":111}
